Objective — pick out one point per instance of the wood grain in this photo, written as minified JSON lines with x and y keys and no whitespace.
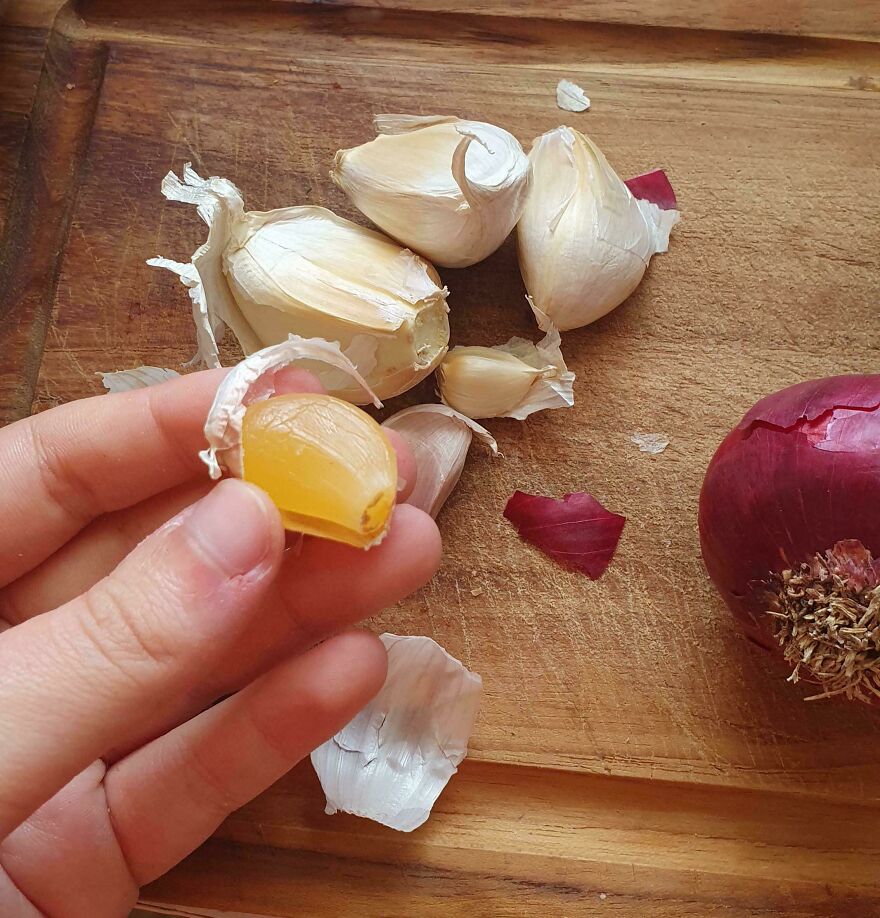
{"x":840,"y":18}
{"x":630,"y":742}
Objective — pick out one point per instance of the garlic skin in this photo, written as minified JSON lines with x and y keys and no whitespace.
{"x":439,"y":438}
{"x":308,"y":272}
{"x":449,"y":189}
{"x":253,"y":380}
{"x":392,"y":761}
{"x":138,"y":378}
{"x":510,"y":380}
{"x":584,"y":241}
{"x":570,"y":97}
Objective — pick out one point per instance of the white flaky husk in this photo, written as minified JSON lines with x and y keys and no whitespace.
{"x":584,"y":241}
{"x":553,"y":390}
{"x":652,"y":443}
{"x":439,"y":438}
{"x":251,"y":381}
{"x":392,"y":761}
{"x":448,"y":188}
{"x":137,"y":378}
{"x":306,"y":271}
{"x":570,"y":97}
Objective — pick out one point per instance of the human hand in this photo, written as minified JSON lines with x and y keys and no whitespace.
{"x":134,"y":595}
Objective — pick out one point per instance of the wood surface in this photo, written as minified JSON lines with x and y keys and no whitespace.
{"x":630,"y":742}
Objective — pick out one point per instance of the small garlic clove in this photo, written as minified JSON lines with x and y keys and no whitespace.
{"x":510,"y":380}
{"x":251,"y":381}
{"x":308,"y":272}
{"x":448,"y":188}
{"x":584,"y":241}
{"x":138,"y":378}
{"x":439,"y":438}
{"x":392,"y":761}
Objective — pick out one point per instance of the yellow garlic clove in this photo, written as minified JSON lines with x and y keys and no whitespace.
{"x":327,"y":465}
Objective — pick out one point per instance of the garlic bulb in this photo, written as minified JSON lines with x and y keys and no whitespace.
{"x":584,"y":240}
{"x":510,"y":380}
{"x":439,"y":438}
{"x":393,"y":760}
{"x":306,"y":271}
{"x":447,"y":188}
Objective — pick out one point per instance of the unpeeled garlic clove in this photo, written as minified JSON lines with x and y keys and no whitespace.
{"x":392,"y":761}
{"x":306,"y":271}
{"x":439,"y":438}
{"x":510,"y":380}
{"x":448,"y":188}
{"x":584,"y":241}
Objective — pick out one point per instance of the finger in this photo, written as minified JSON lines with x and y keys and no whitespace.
{"x":62,"y":468}
{"x":75,"y":681}
{"x":406,"y":465}
{"x":325,"y":589}
{"x":195,"y":776}
{"x":91,"y":555}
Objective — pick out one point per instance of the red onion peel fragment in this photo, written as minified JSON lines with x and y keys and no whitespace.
{"x":576,"y":531}
{"x":789,"y":521}
{"x":654,"y":187}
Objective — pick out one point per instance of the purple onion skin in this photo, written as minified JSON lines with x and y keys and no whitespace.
{"x":799,"y":473}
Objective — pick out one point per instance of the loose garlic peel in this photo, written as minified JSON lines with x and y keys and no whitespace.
{"x":306,"y":271}
{"x":439,"y":438}
{"x":137,"y":378}
{"x":392,"y":761}
{"x":584,"y":241}
{"x":510,"y":380}
{"x":449,"y":189}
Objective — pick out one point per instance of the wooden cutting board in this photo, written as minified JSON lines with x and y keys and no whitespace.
{"x":633,"y":755}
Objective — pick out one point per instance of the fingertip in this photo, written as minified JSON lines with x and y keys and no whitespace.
{"x":295,"y":379}
{"x":407,"y":470}
{"x":415,"y":533}
{"x":360,"y":659}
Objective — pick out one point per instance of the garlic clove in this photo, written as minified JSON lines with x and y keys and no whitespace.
{"x":584,"y":241}
{"x":439,"y":438}
{"x":392,"y":761}
{"x":510,"y":380}
{"x":251,"y":381}
{"x":448,"y":188}
{"x":306,"y":271}
{"x":138,"y":378}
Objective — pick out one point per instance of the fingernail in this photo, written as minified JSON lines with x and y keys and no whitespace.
{"x":231,"y":526}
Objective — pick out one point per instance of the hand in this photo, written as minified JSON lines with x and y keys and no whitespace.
{"x":134,"y":596}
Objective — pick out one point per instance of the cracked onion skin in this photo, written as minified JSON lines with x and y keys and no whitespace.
{"x":798,"y":474}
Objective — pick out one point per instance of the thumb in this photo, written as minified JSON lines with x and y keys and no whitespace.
{"x":75,"y":681}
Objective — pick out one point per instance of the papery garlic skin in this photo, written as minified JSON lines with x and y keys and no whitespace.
{"x":137,"y":378}
{"x":449,"y":189}
{"x":439,"y":438}
{"x":392,"y":761}
{"x":510,"y":380}
{"x":584,"y":241}
{"x":306,"y":271}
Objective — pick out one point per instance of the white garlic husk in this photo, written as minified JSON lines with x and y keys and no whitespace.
{"x":392,"y":761}
{"x":253,"y":380}
{"x":449,"y":189}
{"x":308,"y":272}
{"x":439,"y":438}
{"x":136,"y":378}
{"x":510,"y":380}
{"x":584,"y":241}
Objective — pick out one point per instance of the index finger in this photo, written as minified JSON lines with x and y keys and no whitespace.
{"x":61,"y":469}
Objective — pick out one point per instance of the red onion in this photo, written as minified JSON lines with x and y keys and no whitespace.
{"x":576,"y":531}
{"x":789,"y":517}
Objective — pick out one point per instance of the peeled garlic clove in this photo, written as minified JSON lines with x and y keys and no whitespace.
{"x":510,"y":380}
{"x":439,"y":438}
{"x":448,"y":188}
{"x":306,"y":271}
{"x":584,"y":241}
{"x":138,"y":378}
{"x":327,"y":466}
{"x":393,"y":760}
